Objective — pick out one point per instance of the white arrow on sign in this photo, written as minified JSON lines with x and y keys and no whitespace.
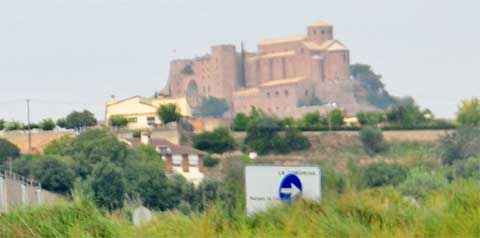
{"x":293,"y":190}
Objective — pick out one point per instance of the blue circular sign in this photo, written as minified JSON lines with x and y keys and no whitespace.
{"x":290,"y":187}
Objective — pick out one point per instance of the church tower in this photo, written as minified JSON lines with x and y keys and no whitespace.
{"x":320,"y":32}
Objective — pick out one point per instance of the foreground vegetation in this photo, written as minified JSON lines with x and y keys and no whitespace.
{"x":452,"y":211}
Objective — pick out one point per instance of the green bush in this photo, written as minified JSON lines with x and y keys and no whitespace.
{"x":240,"y":122}
{"x":371,"y":118}
{"x":47,"y":124}
{"x":13,"y":126}
{"x":420,"y":183}
{"x":372,"y":139}
{"x":295,"y":140}
{"x":461,"y":144}
{"x":108,"y":185}
{"x":213,"y":107}
{"x":383,"y":174}
{"x":314,"y":120}
{"x":53,"y":173}
{"x":118,"y":121}
{"x":218,"y":141}
{"x":80,"y":120}
{"x":469,"y":168}
{"x":136,"y":134}
{"x":260,"y":134}
{"x":8,"y":150}
{"x":336,"y":118}
{"x":469,"y":113}
{"x":2,"y":124}
{"x":210,"y":161}
{"x":169,"y":113}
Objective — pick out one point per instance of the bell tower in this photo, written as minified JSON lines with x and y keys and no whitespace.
{"x":320,"y":32}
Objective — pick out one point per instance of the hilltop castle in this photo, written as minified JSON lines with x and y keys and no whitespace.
{"x":286,"y":77}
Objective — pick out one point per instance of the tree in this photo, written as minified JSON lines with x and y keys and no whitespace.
{"x":336,"y":118}
{"x":371,"y":118}
{"x":147,"y":152}
{"x":469,"y":113}
{"x":296,"y":140}
{"x":13,"y":126}
{"x":408,"y":115}
{"x":213,"y":107}
{"x":118,"y":121}
{"x":8,"y":150}
{"x":62,"y":123}
{"x":169,"y":113}
{"x":108,"y":185}
{"x":260,"y":134}
{"x":372,"y":139}
{"x":240,"y":122}
{"x":2,"y":124}
{"x":383,"y":174}
{"x":459,"y":145}
{"x":47,"y":124}
{"x":62,"y":146}
{"x":80,"y":120}
{"x":313,"y":120}
{"x":371,"y":82}
{"x":219,"y":140}
{"x":53,"y":173}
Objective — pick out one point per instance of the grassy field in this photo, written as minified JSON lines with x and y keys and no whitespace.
{"x":449,"y":212}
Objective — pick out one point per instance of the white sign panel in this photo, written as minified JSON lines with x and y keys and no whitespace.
{"x":267,"y":186}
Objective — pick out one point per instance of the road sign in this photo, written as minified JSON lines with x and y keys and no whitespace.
{"x":267,"y":186}
{"x":290,"y":187}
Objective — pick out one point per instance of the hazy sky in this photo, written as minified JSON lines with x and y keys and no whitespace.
{"x":70,"y":55}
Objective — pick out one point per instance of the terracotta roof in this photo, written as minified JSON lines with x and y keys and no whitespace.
{"x":327,"y":45}
{"x":282,"y":40}
{"x":321,"y":23}
{"x":282,"y":81}
{"x":157,"y":142}
{"x":279,"y":54}
{"x":246,"y":91}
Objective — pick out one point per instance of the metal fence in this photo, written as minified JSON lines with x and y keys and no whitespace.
{"x":16,"y":190}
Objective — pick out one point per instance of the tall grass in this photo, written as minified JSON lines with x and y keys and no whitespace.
{"x":453,"y":211}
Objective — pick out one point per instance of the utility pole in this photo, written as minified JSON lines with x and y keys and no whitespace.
{"x":29,"y":128}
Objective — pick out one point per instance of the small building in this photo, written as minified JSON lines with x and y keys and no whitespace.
{"x":180,"y":159}
{"x":141,"y":112}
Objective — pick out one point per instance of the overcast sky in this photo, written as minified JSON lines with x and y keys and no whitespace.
{"x":71,"y":55}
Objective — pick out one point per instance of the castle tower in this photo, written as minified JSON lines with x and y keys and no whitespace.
{"x":224,"y":59}
{"x":320,"y":32}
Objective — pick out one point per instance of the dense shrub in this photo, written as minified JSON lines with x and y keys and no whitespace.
{"x":336,"y":118}
{"x":169,"y":113}
{"x":80,"y":120}
{"x":13,"y":126}
{"x":62,"y":146}
{"x":2,"y":124}
{"x":469,"y":168}
{"x":213,"y":107}
{"x":53,"y":173}
{"x":371,"y":118}
{"x":47,"y":124}
{"x":118,"y":121}
{"x":240,"y":122}
{"x":313,"y":120}
{"x":461,"y":144}
{"x":469,"y":113}
{"x":420,"y":183}
{"x":218,"y":141}
{"x":260,"y":134}
{"x":210,"y":161}
{"x":295,"y":140}
{"x":372,"y":139}
{"x":383,"y":174}
{"x":8,"y":150}
{"x":108,"y":185}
